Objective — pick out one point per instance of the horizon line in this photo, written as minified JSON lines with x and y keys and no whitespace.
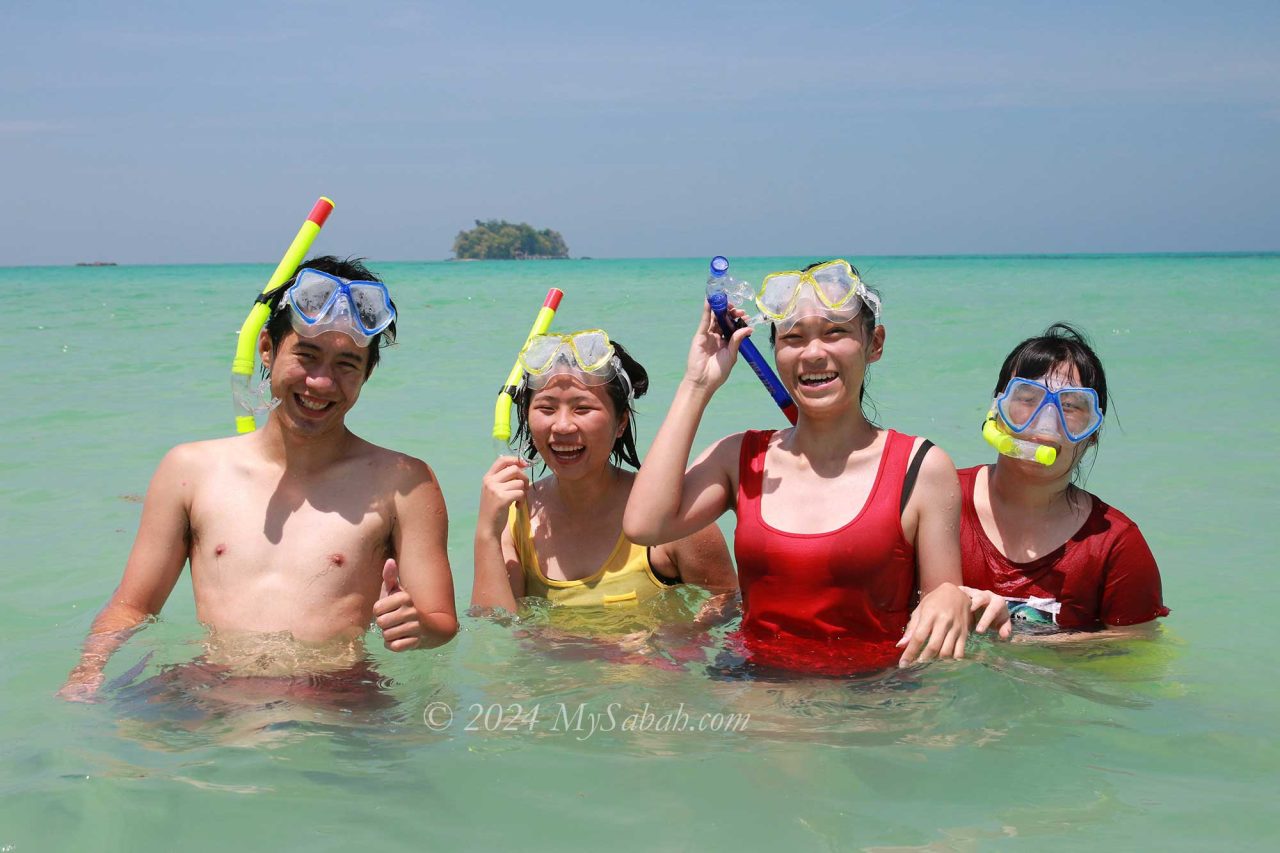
{"x":1242,"y":253}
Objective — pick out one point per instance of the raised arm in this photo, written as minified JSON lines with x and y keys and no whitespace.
{"x":499,"y":577}
{"x":667,"y":503}
{"x":417,"y":610}
{"x":159,"y":552}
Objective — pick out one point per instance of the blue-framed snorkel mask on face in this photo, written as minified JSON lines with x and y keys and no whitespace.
{"x":321,"y":302}
{"x":1027,"y":407}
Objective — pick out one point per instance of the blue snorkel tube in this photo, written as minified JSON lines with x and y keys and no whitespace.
{"x":719,"y":285}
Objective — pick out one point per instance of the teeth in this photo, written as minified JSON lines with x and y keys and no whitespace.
{"x":313,"y":405}
{"x":567,"y":448}
{"x":817,"y":378}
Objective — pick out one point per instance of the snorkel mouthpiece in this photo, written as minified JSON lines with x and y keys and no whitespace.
{"x":250,"y":400}
{"x":1016,"y":448}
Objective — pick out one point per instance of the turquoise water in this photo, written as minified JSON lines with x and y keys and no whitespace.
{"x":1168,"y":743}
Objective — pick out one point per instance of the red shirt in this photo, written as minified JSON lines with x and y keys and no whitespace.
{"x":1103,"y":575}
{"x":833,"y":602}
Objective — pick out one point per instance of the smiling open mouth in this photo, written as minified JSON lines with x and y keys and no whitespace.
{"x":568,"y":452}
{"x":816,"y":380}
{"x":312,"y":405}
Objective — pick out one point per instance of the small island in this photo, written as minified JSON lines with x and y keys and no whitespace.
{"x":498,"y":239}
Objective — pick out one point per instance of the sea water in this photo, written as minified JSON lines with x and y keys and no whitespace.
{"x":501,"y":740}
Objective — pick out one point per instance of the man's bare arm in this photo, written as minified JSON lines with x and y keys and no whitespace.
{"x":429,"y":617}
{"x":159,"y":552}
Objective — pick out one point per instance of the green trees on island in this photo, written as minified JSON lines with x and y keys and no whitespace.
{"x":498,"y":239}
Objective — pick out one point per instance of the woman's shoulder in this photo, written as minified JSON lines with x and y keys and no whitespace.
{"x":730,"y":448}
{"x":937,"y":471}
{"x":1109,"y":517}
{"x":1106,"y":528}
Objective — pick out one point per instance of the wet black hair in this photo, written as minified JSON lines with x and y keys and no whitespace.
{"x":869,"y":321}
{"x":352,"y":269}
{"x":1061,"y":343}
{"x":624,"y":449}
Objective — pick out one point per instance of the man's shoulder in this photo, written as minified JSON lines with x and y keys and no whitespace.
{"x":393,"y":463}
{"x":201,"y":453}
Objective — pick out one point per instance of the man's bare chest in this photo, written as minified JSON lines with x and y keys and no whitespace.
{"x":245,"y":528}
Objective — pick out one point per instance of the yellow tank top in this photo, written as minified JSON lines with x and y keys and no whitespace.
{"x":626,"y":578}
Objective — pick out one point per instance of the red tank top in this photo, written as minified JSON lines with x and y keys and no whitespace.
{"x":833,"y":602}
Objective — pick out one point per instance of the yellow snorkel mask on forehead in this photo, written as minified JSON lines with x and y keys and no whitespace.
{"x":588,"y":356}
{"x":832,"y":289}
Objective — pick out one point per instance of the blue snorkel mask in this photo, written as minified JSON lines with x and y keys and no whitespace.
{"x":328,"y":303}
{"x":1027,"y":408}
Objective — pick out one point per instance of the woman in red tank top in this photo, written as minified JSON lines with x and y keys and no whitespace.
{"x":834,"y":547}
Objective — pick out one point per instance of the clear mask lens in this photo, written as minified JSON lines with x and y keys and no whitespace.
{"x":373,"y":306}
{"x":310,"y":300}
{"x":778,"y":294}
{"x":835,"y":283}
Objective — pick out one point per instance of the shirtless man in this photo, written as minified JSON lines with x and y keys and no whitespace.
{"x":300,"y":529}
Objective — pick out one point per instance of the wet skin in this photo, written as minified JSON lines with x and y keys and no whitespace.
{"x":301,"y":528}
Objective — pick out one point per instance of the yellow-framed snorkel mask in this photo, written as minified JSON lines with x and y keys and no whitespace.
{"x":587,"y":355}
{"x":832,"y":289}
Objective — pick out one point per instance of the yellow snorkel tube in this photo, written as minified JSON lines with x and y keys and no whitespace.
{"x":502,"y":409}
{"x":247,"y":342}
{"x":1007,"y":445}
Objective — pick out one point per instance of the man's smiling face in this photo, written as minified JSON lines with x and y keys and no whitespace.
{"x":317,"y":380}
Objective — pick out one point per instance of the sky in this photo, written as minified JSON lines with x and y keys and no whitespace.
{"x":161,"y":132}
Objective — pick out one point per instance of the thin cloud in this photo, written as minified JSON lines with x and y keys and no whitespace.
{"x":28,"y":127}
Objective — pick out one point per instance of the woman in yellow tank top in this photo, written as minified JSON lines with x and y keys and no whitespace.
{"x":560,"y":537}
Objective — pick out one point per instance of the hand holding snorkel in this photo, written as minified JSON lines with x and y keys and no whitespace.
{"x":247,"y":401}
{"x":505,"y":482}
{"x":725,"y":292}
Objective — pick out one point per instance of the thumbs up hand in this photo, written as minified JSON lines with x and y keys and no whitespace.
{"x":395,"y":614}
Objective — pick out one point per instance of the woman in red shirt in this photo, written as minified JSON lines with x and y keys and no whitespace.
{"x":1062,"y":558}
{"x":842,"y":526}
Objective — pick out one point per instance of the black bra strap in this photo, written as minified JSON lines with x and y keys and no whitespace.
{"x":666,"y":581}
{"x":913,"y":471}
